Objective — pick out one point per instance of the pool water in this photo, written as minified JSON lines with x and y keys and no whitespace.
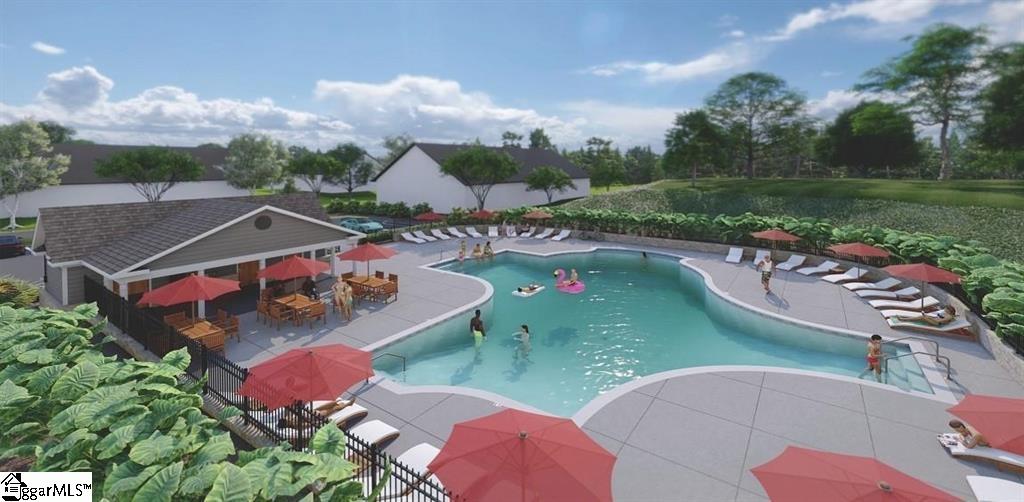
{"x":638,"y":316}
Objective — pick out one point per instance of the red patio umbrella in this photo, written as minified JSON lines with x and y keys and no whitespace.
{"x":515,"y":455}
{"x":293,"y":267}
{"x":923,"y":272}
{"x":799,"y":474}
{"x":859,"y":250}
{"x":316,"y":373}
{"x":429,"y":216}
{"x":537,"y":214}
{"x":188,"y":290}
{"x":482,"y":214}
{"x":367,"y":252}
{"x":775,"y":235}
{"x":1000,"y":419}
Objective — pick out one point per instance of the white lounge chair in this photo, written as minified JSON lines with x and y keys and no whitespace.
{"x":760,"y":255}
{"x":561,"y":235}
{"x":473,"y":233}
{"x":421,"y":235}
{"x":510,"y":231}
{"x":735,"y":255}
{"x":994,"y":455}
{"x":989,"y":489}
{"x":850,"y":275}
{"x":908,"y":292}
{"x":927,"y":302}
{"x":454,"y":231}
{"x":899,"y":313}
{"x":374,"y":432}
{"x":529,"y":232}
{"x":545,"y":234}
{"x":818,"y":269}
{"x":492,"y":231}
{"x":954,"y":325}
{"x":347,"y":415}
{"x":417,"y":458}
{"x":887,"y":283}
{"x":407,"y":236}
{"x":794,"y":261}
{"x":440,"y":235}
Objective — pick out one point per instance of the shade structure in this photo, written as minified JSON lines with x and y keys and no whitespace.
{"x":999,"y":419}
{"x":293,"y":267}
{"x":859,"y":249}
{"x":312,"y":374}
{"x":537,"y":214}
{"x":775,"y":235}
{"x":800,"y":474}
{"x":923,"y":272}
{"x":367,"y":252}
{"x":193,"y":288}
{"x":428,"y":216}
{"x":482,"y":214}
{"x":519,"y":456}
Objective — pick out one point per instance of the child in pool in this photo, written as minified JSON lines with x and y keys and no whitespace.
{"x":874,"y":356}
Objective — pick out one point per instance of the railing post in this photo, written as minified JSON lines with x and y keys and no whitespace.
{"x":204,"y":368}
{"x":374,"y":463}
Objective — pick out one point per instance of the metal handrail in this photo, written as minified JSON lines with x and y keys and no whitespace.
{"x":916,"y":338}
{"x":942,"y":359}
{"x":378,"y":356}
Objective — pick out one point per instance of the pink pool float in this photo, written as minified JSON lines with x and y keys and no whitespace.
{"x":562,"y":285}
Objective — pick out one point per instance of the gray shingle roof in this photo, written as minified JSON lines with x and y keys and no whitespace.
{"x":114,"y":236}
{"x":82,"y":169}
{"x":528,"y":159}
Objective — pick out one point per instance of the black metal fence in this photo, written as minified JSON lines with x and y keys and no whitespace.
{"x":295,"y":424}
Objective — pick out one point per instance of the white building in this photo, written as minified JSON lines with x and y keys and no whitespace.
{"x":415,"y":176}
{"x":80,"y":186}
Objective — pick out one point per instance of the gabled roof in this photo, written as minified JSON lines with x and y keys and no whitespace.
{"x":527,"y":158}
{"x":114,"y":236}
{"x":82,"y":169}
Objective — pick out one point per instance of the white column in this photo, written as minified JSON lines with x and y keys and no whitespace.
{"x":201,"y":309}
{"x":333,"y":261}
{"x":108,"y":283}
{"x":123,"y":286}
{"x":64,"y":286}
{"x":263,"y":280}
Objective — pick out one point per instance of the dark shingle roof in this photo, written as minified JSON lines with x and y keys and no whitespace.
{"x":82,"y":169}
{"x":114,"y":236}
{"x":528,"y":159}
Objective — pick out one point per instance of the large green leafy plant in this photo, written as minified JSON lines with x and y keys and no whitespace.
{"x":136,"y":426}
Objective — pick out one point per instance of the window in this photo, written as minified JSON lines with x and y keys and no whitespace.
{"x":263,"y":222}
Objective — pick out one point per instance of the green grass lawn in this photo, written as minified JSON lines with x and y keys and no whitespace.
{"x":23,"y":224}
{"x":982,"y":193}
{"x":326,"y":198}
{"x":614,"y":188}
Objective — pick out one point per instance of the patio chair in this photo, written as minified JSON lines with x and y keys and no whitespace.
{"x":455,"y":232}
{"x":958,"y":324}
{"x":794,"y":261}
{"x":887,"y":283}
{"x":529,"y":232}
{"x":230,"y":327}
{"x":510,"y":231}
{"x":850,"y":275}
{"x":989,"y":489}
{"x":492,"y":232}
{"x":918,"y":305}
{"x":819,"y":269}
{"x":387,"y":292}
{"x":177,"y":320}
{"x":439,"y":234}
{"x":545,"y":234}
{"x":280,"y":313}
{"x":316,"y":311}
{"x":262,"y":311}
{"x":1001,"y":458}
{"x":473,"y":233}
{"x":407,"y":236}
{"x":760,"y":255}
{"x":348,"y":414}
{"x":561,"y":235}
{"x":735,"y":255}
{"x":378,"y":274}
{"x":908,"y":292}
{"x":222,"y":315}
{"x":421,"y":235}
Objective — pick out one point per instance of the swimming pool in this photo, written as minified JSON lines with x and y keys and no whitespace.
{"x":638,"y":316}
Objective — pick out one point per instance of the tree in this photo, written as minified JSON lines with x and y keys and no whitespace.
{"x":694,"y":141}
{"x":639,"y":164}
{"x":355,"y":168}
{"x":939,"y":77}
{"x":549,"y":179}
{"x":27,"y":163}
{"x":540,"y":140}
{"x":511,"y":139}
{"x":602,"y":162}
{"x":58,"y":133}
{"x":151,"y":170}
{"x":479,"y":168}
{"x":395,"y":146}
{"x":754,"y":107}
{"x":314,"y":168}
{"x":254,"y":161}
{"x":871,"y":135}
{"x":1002,"y":103}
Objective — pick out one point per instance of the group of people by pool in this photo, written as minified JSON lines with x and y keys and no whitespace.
{"x":478,"y":252}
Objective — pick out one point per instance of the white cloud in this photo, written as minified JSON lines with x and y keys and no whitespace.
{"x":45,"y":48}
{"x":1007,"y":21}
{"x":626,"y":125}
{"x":734,"y":34}
{"x":837,"y":100}
{"x":830,"y":73}
{"x":879,"y":11}
{"x":76,"y":88}
{"x":723,"y":59}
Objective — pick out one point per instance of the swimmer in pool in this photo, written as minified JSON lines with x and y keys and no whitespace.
{"x":476,"y":328}
{"x":874,"y":356}
{"x":523,"y":350}
{"x":529,"y":288}
{"x":573,"y":278}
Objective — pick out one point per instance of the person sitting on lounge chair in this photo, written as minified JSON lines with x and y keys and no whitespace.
{"x":944,"y":316}
{"x":969,"y":436}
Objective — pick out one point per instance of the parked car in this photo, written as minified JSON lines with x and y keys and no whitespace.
{"x":10,"y":245}
{"x":364,"y":225}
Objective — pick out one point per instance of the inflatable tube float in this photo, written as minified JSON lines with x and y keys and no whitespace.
{"x":527,"y":294}
{"x":572,"y":289}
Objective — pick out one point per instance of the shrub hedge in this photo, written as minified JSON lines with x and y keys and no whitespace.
{"x":371,"y":208}
{"x":18,"y":293}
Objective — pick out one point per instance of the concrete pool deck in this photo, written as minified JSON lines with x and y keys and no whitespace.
{"x":671,"y":439}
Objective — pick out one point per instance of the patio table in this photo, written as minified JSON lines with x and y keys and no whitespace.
{"x":296,"y":303}
{"x":205,"y":333}
{"x":369,"y":285}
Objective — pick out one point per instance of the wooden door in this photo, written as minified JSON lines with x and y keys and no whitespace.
{"x":247,"y":273}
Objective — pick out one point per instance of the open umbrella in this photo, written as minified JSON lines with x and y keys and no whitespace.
{"x":482,"y":214}
{"x":1000,"y":419}
{"x":923,"y":273}
{"x":859,"y":250}
{"x":429,"y":217}
{"x":316,"y":373}
{"x":190,"y":289}
{"x":799,"y":474}
{"x":515,"y":455}
{"x":775,"y":236}
{"x":367,"y":252}
{"x":537,"y":214}
{"x":293,"y":267}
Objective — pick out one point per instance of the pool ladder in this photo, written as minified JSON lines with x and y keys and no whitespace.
{"x":402,"y":358}
{"x":938,"y":357}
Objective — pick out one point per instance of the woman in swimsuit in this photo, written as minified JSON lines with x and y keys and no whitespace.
{"x":462,"y":250}
{"x":944,"y":316}
{"x":488,"y":252}
{"x":573,"y":278}
{"x":477,"y":252}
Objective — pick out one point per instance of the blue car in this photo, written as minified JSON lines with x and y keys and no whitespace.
{"x":364,"y":225}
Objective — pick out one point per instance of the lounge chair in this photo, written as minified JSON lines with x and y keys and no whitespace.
{"x":850,"y":275}
{"x":1001,"y":458}
{"x":819,"y":269}
{"x":473,"y":233}
{"x":421,"y":235}
{"x":735,"y":255}
{"x":510,"y":231}
{"x":794,"y":261}
{"x":439,"y":234}
{"x":908,"y":292}
{"x":492,"y":231}
{"x":887,"y":283}
{"x":928,"y":302}
{"x":529,"y":232}
{"x":760,"y":255}
{"x":950,"y":327}
{"x":545,"y":234}
{"x":351,"y":413}
{"x":417,"y":459}
{"x":455,"y":232}
{"x":409,"y":237}
{"x":374,"y":432}
{"x":988,"y":489}
{"x":561,"y":235}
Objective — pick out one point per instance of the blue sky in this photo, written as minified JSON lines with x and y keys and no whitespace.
{"x":321,"y":72}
